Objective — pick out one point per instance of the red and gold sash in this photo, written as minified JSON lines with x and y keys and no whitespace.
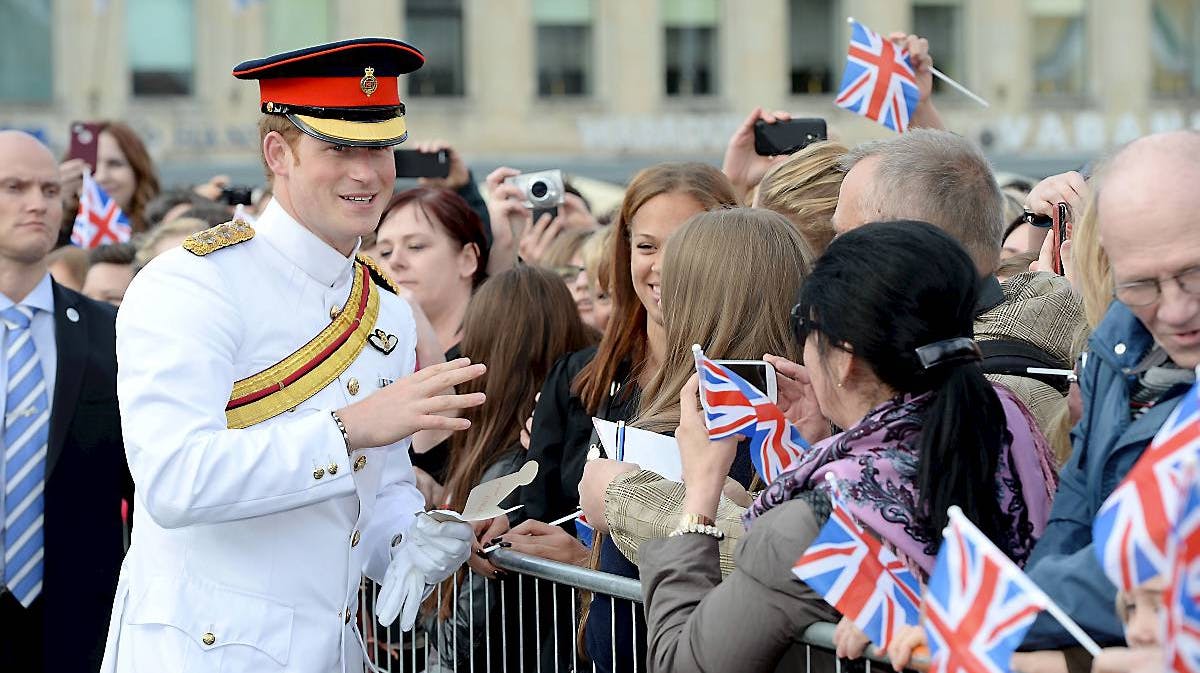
{"x":299,"y":376}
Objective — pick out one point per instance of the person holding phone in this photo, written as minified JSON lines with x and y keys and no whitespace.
{"x":913,"y":400}
{"x":720,"y":307}
{"x":120,"y":164}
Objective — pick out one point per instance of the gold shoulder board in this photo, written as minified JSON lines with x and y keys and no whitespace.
{"x":220,"y":236}
{"x":381,"y":278}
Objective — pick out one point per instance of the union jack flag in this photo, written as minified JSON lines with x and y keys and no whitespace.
{"x":100,"y":219}
{"x":879,"y":82}
{"x":732,"y":406}
{"x":1182,"y":642}
{"x":1131,"y":530}
{"x":978,"y":604}
{"x":858,"y":576}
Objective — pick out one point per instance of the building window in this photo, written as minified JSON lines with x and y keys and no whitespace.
{"x":26,"y":60}
{"x":691,"y":46}
{"x":161,"y":43}
{"x":940,"y":22}
{"x":816,"y":54}
{"x":564,"y":47}
{"x":1174,"y":27}
{"x":438,"y":29}
{"x":1059,"y":41}
{"x":295,"y":24}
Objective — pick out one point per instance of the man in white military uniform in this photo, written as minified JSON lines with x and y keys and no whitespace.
{"x":267,"y":395}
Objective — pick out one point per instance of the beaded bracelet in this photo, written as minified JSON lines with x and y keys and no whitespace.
{"x":712,"y":531}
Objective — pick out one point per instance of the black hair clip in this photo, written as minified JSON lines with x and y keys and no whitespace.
{"x":949,"y":351}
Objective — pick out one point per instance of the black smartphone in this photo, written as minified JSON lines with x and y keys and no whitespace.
{"x":1060,"y":230}
{"x":787,"y":137}
{"x":236,"y":196}
{"x":414,"y":164}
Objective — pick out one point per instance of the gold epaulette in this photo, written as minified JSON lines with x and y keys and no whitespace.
{"x":220,"y":236}
{"x":381,"y":278}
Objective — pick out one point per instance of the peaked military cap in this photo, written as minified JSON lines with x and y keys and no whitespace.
{"x":343,"y":92}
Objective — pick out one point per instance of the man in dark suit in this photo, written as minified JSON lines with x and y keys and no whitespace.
{"x":63,"y":473}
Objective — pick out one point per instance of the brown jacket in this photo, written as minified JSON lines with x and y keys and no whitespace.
{"x":750,"y":621}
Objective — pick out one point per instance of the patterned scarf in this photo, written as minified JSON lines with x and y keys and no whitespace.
{"x":875,"y":463}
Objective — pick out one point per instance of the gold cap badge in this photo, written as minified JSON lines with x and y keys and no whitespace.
{"x":368,"y":83}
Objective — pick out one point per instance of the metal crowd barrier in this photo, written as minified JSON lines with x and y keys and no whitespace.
{"x":517,"y":636}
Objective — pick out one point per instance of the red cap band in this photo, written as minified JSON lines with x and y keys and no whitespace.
{"x":346,"y":92}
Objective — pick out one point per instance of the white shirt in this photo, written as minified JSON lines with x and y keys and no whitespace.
{"x":246,"y":535}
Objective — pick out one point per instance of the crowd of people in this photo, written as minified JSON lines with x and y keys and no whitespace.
{"x":898,"y":289}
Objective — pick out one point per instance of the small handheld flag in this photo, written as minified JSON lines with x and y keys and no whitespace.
{"x":1181,"y":646}
{"x":1131,"y":529}
{"x":879,"y":82}
{"x":100,"y":219}
{"x":858,"y":576}
{"x":978,"y":604}
{"x":732,"y":406}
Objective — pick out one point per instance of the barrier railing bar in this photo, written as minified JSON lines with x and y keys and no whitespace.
{"x":565,"y":573}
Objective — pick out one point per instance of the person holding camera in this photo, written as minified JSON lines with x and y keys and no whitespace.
{"x":268,"y":396}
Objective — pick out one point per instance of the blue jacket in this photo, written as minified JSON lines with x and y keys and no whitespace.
{"x":1106,"y":445}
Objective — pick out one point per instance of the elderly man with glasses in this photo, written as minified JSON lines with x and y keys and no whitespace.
{"x":1140,"y":361}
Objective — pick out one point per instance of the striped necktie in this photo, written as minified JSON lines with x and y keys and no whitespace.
{"x":26,"y":431}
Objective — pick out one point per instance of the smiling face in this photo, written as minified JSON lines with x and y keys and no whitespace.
{"x":649,"y":230}
{"x":30,"y":199}
{"x":336,"y":191}
{"x":421,"y":256}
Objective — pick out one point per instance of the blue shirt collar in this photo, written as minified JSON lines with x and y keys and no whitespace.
{"x":41,"y":297}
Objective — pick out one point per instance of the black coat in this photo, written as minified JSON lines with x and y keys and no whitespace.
{"x":86,"y":479}
{"x":559,"y":441}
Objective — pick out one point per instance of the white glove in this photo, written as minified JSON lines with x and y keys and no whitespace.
{"x":429,"y":552}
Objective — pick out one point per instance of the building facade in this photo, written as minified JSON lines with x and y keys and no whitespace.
{"x":606,"y":78}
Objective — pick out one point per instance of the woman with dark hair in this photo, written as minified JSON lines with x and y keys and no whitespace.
{"x":519,"y":322}
{"x":885,"y":319}
{"x":434,"y":246}
{"x":123,"y":170}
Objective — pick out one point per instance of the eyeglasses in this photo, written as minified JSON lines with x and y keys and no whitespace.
{"x":1146,"y":292}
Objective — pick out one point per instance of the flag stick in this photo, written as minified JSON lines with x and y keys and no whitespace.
{"x":942,"y":76}
{"x":962,"y":89}
{"x":1023,"y":579}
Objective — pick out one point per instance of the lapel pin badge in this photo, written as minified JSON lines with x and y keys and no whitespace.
{"x":383,"y":342}
{"x":72,"y":314}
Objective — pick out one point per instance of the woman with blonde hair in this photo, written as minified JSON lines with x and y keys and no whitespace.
{"x":597,"y":274}
{"x":735,"y":311}
{"x":804,"y":189}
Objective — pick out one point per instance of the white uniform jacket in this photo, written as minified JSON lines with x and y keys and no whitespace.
{"x":248,"y":545}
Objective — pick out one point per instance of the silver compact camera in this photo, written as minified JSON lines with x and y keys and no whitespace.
{"x":542,"y":191}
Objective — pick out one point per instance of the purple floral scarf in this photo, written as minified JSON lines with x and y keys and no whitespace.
{"x":875,"y":463}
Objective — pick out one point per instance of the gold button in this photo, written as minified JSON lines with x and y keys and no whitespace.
{"x":318,"y":473}
{"x":208,"y":639}
{"x":354,"y":538}
{"x":333,"y":468}
{"x":352,"y":386}
{"x":360,"y":463}
{"x":334,"y":311}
